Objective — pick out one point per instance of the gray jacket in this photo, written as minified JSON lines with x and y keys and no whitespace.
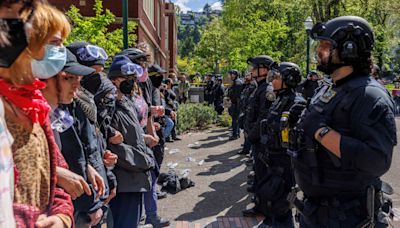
{"x":135,"y":160}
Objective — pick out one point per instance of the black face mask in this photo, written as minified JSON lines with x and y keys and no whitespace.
{"x":126,"y":87}
{"x":16,"y":37}
{"x":156,"y":80}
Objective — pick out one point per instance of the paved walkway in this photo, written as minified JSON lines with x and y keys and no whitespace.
{"x":220,"y":176}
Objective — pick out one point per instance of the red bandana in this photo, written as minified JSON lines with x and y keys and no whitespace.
{"x":28,"y":98}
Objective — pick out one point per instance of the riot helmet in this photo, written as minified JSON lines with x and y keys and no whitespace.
{"x":263,"y":61}
{"x":352,"y":36}
{"x":235,"y":73}
{"x":290,"y":74}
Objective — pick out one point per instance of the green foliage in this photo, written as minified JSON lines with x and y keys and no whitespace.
{"x":95,"y":29}
{"x":224,"y":120}
{"x":195,"y":116}
{"x":275,"y":28}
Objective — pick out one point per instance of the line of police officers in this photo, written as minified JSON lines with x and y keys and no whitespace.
{"x":333,"y":147}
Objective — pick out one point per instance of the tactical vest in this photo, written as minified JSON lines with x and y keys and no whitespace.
{"x":317,"y":171}
{"x":274,"y":129}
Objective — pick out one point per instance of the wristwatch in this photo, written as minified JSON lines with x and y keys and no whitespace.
{"x":322,"y":133}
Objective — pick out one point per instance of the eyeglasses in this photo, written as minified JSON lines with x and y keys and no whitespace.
{"x":92,"y":53}
{"x":132,"y":68}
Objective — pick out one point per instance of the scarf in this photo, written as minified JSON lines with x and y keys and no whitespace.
{"x":28,"y":98}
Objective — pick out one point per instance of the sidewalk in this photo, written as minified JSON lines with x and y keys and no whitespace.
{"x":220,"y":193}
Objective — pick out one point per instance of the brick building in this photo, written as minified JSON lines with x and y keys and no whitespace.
{"x":157,"y":25}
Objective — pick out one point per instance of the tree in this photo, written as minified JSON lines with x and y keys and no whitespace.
{"x":95,"y":29}
{"x":207,"y":9}
{"x":212,"y":46}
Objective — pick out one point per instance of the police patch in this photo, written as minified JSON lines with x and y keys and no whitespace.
{"x":327,"y":96}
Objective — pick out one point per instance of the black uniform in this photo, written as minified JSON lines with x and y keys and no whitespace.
{"x":276,"y":179}
{"x":257,"y":111}
{"x":234,"y":110}
{"x":362,"y":112}
{"x":308,"y":88}
{"x":218,"y":93}
{"x":208,"y":92}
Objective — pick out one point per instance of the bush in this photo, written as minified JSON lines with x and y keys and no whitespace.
{"x":195,"y":117}
{"x":224,"y":120}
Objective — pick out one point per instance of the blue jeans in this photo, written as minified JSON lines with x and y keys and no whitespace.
{"x":126,"y":209}
{"x":169,"y":125}
{"x":150,"y":197}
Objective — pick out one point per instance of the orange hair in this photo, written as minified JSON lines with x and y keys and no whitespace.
{"x":46,"y":22}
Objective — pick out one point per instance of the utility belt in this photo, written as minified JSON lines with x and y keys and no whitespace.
{"x":374,"y":206}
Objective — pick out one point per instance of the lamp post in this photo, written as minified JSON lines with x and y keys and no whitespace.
{"x":217,"y":66}
{"x":308,"y":24}
{"x":125,"y":22}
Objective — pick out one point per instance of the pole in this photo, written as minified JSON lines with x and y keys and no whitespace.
{"x":308,"y":53}
{"x":125,"y":22}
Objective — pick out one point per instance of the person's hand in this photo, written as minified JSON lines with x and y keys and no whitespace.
{"x":72,"y":183}
{"x":173,"y":115}
{"x":117,"y":138}
{"x":312,"y":121}
{"x":110,"y":159}
{"x":295,"y":112}
{"x":95,"y":217}
{"x":112,"y":194}
{"x":53,"y":221}
{"x":96,"y":180}
{"x":157,"y":111}
{"x":157,"y":126}
{"x":150,"y":141}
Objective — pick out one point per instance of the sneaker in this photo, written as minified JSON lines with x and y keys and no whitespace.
{"x":161,"y":195}
{"x":157,"y":221}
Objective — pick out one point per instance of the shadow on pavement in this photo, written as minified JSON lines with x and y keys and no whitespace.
{"x":229,"y":195}
{"x":226,"y":163}
{"x":209,"y":138}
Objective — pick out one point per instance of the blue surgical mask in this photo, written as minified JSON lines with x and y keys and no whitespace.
{"x":52,"y":63}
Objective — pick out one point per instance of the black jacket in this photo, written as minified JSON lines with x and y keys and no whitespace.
{"x":135,"y":160}
{"x":362,"y":112}
{"x":256,"y":111}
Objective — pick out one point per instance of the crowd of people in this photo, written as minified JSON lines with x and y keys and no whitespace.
{"x":81,"y":147}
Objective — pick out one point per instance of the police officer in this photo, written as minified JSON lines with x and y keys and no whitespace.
{"x":249,"y":86}
{"x":218,"y":92}
{"x":257,"y":111}
{"x":234,"y":96}
{"x":208,"y":90}
{"x":277,"y":180}
{"x":310,"y":84}
{"x":343,"y":142}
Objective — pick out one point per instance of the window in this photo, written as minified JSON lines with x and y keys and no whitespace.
{"x":148,"y":6}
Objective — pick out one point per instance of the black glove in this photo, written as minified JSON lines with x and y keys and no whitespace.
{"x":312,"y":121}
{"x":295,"y":112}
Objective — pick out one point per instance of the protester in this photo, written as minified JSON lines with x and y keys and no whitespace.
{"x":37,"y":200}
{"x":183,"y":88}
{"x":134,"y":159}
{"x":218,"y":92}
